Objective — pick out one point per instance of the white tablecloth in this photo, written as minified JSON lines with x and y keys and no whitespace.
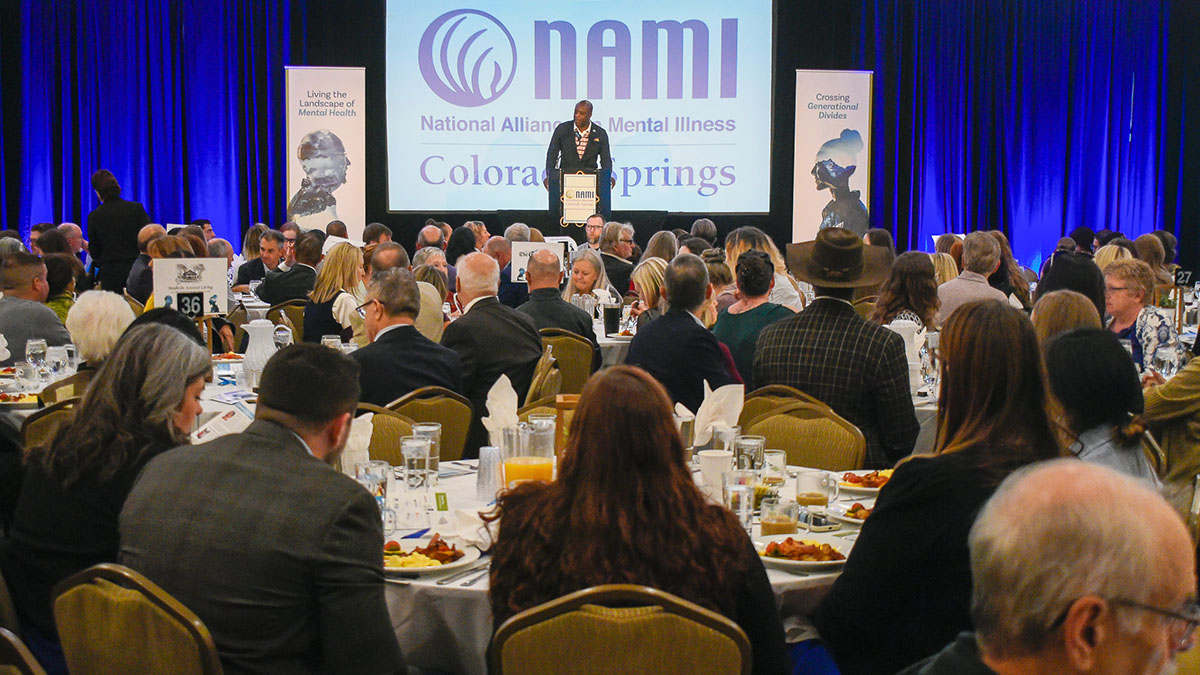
{"x":612,"y":350}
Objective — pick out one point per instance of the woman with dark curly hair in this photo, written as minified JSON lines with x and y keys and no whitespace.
{"x":910,"y":292}
{"x":625,"y":509}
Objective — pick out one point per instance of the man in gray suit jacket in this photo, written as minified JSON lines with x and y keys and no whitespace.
{"x":23,"y":314}
{"x":981,"y":257}
{"x":278,"y":554}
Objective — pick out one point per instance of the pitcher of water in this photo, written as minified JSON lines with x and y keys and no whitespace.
{"x":262,"y":347}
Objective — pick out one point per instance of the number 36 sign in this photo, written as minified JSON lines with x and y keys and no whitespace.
{"x":196,"y":287}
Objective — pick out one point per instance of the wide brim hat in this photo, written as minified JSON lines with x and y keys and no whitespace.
{"x":838,"y":258}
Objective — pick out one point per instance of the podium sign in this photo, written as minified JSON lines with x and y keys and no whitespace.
{"x":196,"y":287}
{"x":579,"y":197}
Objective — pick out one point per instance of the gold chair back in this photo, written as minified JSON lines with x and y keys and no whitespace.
{"x":574,"y":355}
{"x":15,"y":657}
{"x":547,"y":380}
{"x":542,"y":406}
{"x":864,"y":306}
{"x":812,"y":435}
{"x":73,"y":386}
{"x":40,"y":427}
{"x":111,"y":619}
{"x":770,"y":397}
{"x":8,"y":611}
{"x":584,"y":633}
{"x":290,"y":314}
{"x":137,"y":307}
{"x":438,"y":404}
{"x":387,"y":428}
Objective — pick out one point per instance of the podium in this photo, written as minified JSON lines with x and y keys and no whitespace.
{"x":577,"y":194}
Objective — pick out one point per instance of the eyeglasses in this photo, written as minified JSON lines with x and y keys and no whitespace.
{"x":1182,"y":622}
{"x":625,"y":241}
{"x":362,"y":309}
{"x":1114,"y":289}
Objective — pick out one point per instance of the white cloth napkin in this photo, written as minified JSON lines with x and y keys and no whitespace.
{"x":603,"y":296}
{"x":914,"y":339}
{"x":720,"y":408}
{"x":502,"y":409}
{"x":4,"y":353}
{"x":470,"y":528}
{"x":358,"y":443}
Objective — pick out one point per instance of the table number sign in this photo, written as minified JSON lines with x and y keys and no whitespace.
{"x":196,"y":287}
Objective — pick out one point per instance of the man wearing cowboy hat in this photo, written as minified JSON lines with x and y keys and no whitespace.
{"x":857,"y":367}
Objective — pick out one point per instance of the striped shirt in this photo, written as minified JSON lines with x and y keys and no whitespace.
{"x":581,"y":139}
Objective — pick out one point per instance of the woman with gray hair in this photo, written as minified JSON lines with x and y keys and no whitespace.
{"x":95,"y":322}
{"x":587,"y":274}
{"x":143,"y":401}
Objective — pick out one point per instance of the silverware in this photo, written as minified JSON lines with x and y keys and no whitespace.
{"x":459,"y":575}
{"x":473,"y":580}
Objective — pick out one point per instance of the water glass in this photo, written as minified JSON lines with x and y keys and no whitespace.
{"x":332,"y":341}
{"x":282,"y":337}
{"x":27,"y":376}
{"x":748,"y":451}
{"x":56,"y":362}
{"x":737,"y":489}
{"x":35,"y":352}
{"x":722,"y":437}
{"x":413,"y":507}
{"x":1165,"y":360}
{"x":487,"y":480}
{"x":373,"y":475}
{"x":254,"y":284}
{"x":774,"y":468}
{"x":72,"y":357}
{"x":432,"y":431}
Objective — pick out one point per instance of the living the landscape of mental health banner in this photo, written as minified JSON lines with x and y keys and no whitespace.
{"x":683,"y":89}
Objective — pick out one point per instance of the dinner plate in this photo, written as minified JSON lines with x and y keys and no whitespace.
{"x":851,"y":488}
{"x":470,"y":555}
{"x":618,"y":336}
{"x":26,"y":403}
{"x":838,"y":510}
{"x":840,"y":545}
{"x":228,"y":358}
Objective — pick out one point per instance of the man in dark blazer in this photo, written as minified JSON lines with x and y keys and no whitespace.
{"x":140,"y":282}
{"x":275,"y":551}
{"x":112,"y":230}
{"x":491,"y":339}
{"x":270,"y":254}
{"x":546,"y":306}
{"x":579,"y":145}
{"x":400,"y":359}
{"x":298,"y":281}
{"x":676,"y":348}
{"x":854,"y":366}
{"x":616,"y":245}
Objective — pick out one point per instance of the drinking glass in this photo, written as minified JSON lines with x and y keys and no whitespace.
{"x":432,"y":431}
{"x":713,"y":464}
{"x":35,"y":352}
{"x":254,"y":287}
{"x":72,"y":357}
{"x":282,"y":337}
{"x":1164,"y":361}
{"x":748,"y":451}
{"x":774,"y":468}
{"x":814,"y":490}
{"x":722,"y":437}
{"x":487,"y":480}
{"x":779,"y":516}
{"x":56,"y":361}
{"x":737,"y":488}
{"x":27,"y":376}
{"x":373,"y":475}
{"x":332,"y":341}
{"x":414,"y":500}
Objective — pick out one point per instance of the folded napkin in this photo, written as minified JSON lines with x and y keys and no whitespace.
{"x":603,"y":296}
{"x":914,"y":339}
{"x":720,"y":408}
{"x":358,"y":444}
{"x":470,"y":528}
{"x":4,"y":353}
{"x":502,"y":409}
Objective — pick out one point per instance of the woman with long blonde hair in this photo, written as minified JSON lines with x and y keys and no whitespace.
{"x":332,"y":305}
{"x":648,"y":279}
{"x":1109,"y":254}
{"x":787,"y":290}
{"x":944,"y":267}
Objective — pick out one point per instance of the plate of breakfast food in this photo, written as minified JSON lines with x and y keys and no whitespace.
{"x":429,"y":555}
{"x":18,"y":401}
{"x":864,"y":482}
{"x":800,"y":552}
{"x":851,"y":514}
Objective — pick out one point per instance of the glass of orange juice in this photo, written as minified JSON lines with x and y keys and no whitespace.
{"x":528,"y":451}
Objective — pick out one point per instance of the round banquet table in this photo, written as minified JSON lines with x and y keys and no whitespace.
{"x":612,"y":350}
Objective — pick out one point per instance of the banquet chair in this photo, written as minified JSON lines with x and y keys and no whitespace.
{"x":290,"y":314}
{"x":239,"y":318}
{"x":387,"y":428}
{"x":812,"y":436}
{"x":40,"y":427}
{"x":438,"y":404}
{"x":542,"y":406}
{"x":770,"y":397}
{"x":137,"y":307}
{"x":68,"y":387}
{"x":619,"y":628}
{"x":575,"y":355}
{"x":547,"y":379}
{"x":864,"y":306}
{"x":111,"y":619}
{"x":15,"y":657}
{"x":8,"y":611}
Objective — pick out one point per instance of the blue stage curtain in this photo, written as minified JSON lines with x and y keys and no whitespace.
{"x":181,"y":99}
{"x":1029,"y":116}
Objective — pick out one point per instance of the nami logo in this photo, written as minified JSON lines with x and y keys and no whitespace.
{"x":467,"y":57}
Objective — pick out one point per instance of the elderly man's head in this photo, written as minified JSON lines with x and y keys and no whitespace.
{"x":981,"y":253}
{"x":308,"y":248}
{"x":1077,"y":568}
{"x":431,"y":236}
{"x":617,"y":240}
{"x":517,"y":232}
{"x":392,"y":299}
{"x":149,"y":233}
{"x":544,"y":270}
{"x":500,"y":249}
{"x":478,"y":276}
{"x":74,"y":236}
{"x":388,"y":255}
{"x":686,"y":282}
{"x":96,"y":321}
{"x":219,"y":248}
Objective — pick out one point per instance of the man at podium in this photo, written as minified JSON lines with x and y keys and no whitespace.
{"x":578,"y":146}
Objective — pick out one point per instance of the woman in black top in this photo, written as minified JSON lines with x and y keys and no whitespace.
{"x":906,"y":588}
{"x":142,"y":402}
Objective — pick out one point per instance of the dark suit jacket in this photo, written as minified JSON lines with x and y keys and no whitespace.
{"x":492,"y":340}
{"x":618,"y":272}
{"x":548,"y":310}
{"x":511,"y":293}
{"x":856,"y":367}
{"x":402,"y":360}
{"x":250,"y":271}
{"x":681,"y":354}
{"x":112,"y":230}
{"x":276,"y":552}
{"x":140,"y":282}
{"x":563,"y":155}
{"x":294,"y":284}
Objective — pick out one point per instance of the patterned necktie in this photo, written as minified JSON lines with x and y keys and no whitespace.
{"x":580,"y":142}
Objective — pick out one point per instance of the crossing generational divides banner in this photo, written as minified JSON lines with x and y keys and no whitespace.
{"x":832,"y":182}
{"x":326,"y":142}
{"x":475,"y":90}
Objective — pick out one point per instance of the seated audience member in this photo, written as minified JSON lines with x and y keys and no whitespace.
{"x":299,"y":280}
{"x":981,"y":257}
{"x":430,"y":236}
{"x":491,"y":339}
{"x":1057,"y":312}
{"x":1008,"y":277}
{"x":376,"y":233}
{"x":388,"y":255}
{"x":276,"y":552}
{"x":705,"y":229}
{"x":944,"y":267}
{"x":616,"y":246}
{"x":436,"y":257}
{"x":625,"y":509}
{"x":1107,"y":255}
{"x":1093,"y":379}
{"x":220,"y":248}
{"x":648,"y":283}
{"x":331,"y":304}
{"x":431,"y":283}
{"x":1066,"y":270}
{"x":1105,"y":237}
{"x":337,"y":228}
{"x":587,"y":274}
{"x":546,"y":306}
{"x":694,"y":245}
{"x":1075,"y":569}
{"x":910,"y":292}
{"x":1126,"y":244}
{"x":956,"y":252}
{"x":169,"y":317}
{"x":663,"y":245}
{"x":905,"y":589}
{"x":35,"y":233}
{"x":463,"y":241}
{"x":512,"y":293}
{"x":61,"y":272}
{"x":206,"y":227}
{"x":1172,"y":411}
{"x":877,"y":236}
{"x":79,"y":250}
{"x":1150,"y":251}
{"x":676,"y":348}
{"x":399,"y":359}
{"x":517,"y":232}
{"x":54,"y":241}
{"x":270,"y":254}
{"x":593,"y":227}
{"x":1129,"y":287}
{"x":786,"y":291}
{"x":1084,"y":239}
{"x":720,"y":275}
{"x":828,"y":351}
{"x":96,"y":321}
{"x":291,"y":232}
{"x":143,"y":401}
{"x":944,"y":242}
{"x":739,"y":326}
{"x":23,"y":314}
